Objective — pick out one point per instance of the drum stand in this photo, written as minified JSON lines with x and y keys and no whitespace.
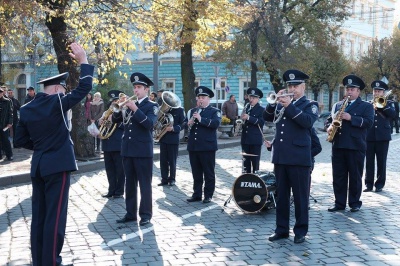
{"x":243,"y":171}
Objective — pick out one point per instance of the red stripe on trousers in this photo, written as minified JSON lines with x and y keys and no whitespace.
{"x":58,"y":217}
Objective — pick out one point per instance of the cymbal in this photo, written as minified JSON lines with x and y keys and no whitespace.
{"x":247,"y":154}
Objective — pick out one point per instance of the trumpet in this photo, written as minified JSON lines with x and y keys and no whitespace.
{"x":273,"y":98}
{"x":117,"y":107}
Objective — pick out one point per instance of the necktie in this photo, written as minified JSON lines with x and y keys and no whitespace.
{"x":348,"y":106}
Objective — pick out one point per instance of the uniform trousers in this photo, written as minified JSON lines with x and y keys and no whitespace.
{"x":5,"y":143}
{"x":380,"y":150}
{"x":138,"y":170}
{"x":115,"y":173}
{"x":49,"y":217}
{"x":168,"y":157}
{"x":295,"y":178}
{"x":251,"y":161}
{"x":203,"y":171}
{"x":347,"y":170}
{"x":395,"y":123}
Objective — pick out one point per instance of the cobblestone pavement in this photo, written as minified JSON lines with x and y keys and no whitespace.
{"x":183,"y":233}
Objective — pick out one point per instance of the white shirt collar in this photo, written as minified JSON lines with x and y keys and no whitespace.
{"x":141,"y":100}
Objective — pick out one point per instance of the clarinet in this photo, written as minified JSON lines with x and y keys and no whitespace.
{"x":194,"y":110}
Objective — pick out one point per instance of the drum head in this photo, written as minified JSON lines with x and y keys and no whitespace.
{"x":250,"y":193}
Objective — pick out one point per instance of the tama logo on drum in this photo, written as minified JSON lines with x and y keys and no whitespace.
{"x":250,"y":184}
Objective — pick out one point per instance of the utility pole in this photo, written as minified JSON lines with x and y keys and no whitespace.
{"x":155,"y":66}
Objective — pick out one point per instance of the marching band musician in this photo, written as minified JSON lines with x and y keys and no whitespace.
{"x":43,"y":127}
{"x":202,"y":145}
{"x":291,"y":154}
{"x":252,"y":137}
{"x":169,"y":147}
{"x":378,"y":138}
{"x":111,"y":147}
{"x":137,"y":149}
{"x":349,"y":145}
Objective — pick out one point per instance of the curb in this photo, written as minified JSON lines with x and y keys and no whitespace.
{"x":95,"y":165}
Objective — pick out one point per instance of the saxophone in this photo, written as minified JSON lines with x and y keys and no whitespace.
{"x":337,"y":120}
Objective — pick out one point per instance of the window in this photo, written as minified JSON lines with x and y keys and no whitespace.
{"x":370,"y":15}
{"x":21,"y":79}
{"x":362,"y":12}
{"x":342,"y":44}
{"x":220,"y":93}
{"x":385,"y":19}
{"x":352,"y":49}
{"x":168,"y":85}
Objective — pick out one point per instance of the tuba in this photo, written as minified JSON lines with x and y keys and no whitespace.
{"x":380,"y":102}
{"x":337,"y":120}
{"x":107,"y":128}
{"x":164,"y":119}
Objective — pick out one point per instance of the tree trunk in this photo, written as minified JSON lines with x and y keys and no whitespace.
{"x":188,"y":78}
{"x":254,"y":55}
{"x":84,"y":143}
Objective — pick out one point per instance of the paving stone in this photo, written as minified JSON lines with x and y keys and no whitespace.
{"x":213,"y":234}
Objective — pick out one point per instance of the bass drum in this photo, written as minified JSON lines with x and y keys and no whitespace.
{"x":251,"y":191}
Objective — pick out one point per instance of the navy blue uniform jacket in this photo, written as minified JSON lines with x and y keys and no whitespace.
{"x":352,"y":135}
{"x":113,"y":143}
{"x":41,"y":127}
{"x":381,"y":130}
{"x":203,"y":135}
{"x":251,"y":134}
{"x":137,"y":140}
{"x":172,"y":137}
{"x":292,"y":142}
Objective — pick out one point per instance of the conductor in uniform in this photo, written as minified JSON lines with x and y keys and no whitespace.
{"x":349,"y":145}
{"x":137,"y":149}
{"x":169,"y":146}
{"x":202,"y":145}
{"x":111,"y":147}
{"x":252,"y":136}
{"x":294,"y":116}
{"x":378,"y":138}
{"x":44,"y":128}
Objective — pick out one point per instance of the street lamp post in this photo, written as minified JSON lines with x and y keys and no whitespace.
{"x":35,"y":51}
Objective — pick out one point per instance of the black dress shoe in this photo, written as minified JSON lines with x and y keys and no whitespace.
{"x":193,"y":199}
{"x":355,"y":209}
{"x":107,"y":195}
{"x":276,"y":236}
{"x":10,"y":158}
{"x":207,"y":200}
{"x":126,"y":220}
{"x":299,"y":239}
{"x":367,"y":190}
{"x":144,"y":222}
{"x":118,"y":196}
{"x":335,"y":209}
{"x":162,"y":184}
{"x":172,"y":183}
{"x":378,"y":190}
